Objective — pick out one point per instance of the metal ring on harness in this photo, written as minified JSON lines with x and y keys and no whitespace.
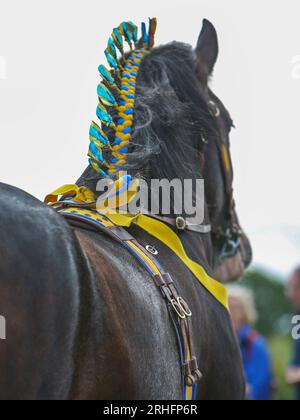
{"x":151,"y":249}
{"x":214,"y":109}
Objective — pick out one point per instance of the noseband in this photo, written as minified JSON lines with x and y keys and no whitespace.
{"x":231,"y":240}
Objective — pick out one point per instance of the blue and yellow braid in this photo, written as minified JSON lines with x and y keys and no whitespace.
{"x":121,"y":79}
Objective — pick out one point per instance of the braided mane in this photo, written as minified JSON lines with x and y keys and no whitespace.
{"x":115,"y":111}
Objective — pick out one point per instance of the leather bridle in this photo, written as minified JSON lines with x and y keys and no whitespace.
{"x":229,"y":235}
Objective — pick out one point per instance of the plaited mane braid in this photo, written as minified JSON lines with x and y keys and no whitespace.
{"x":107,"y":157}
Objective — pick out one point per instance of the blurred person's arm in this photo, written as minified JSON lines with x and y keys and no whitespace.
{"x":293,"y":375}
{"x":262,"y":379}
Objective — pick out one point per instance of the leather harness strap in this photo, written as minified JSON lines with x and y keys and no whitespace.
{"x":230,"y":234}
{"x":80,"y":208}
{"x":178,"y":307}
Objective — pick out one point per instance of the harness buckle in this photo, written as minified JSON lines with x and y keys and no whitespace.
{"x":180,"y":223}
{"x":191,"y":372}
{"x":178,"y":309}
{"x":184,"y":307}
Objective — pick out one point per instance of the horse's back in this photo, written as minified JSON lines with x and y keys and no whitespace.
{"x":76,"y":326}
{"x":39,"y":298}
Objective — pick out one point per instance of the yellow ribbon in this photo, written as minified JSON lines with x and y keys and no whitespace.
{"x":168,"y":237}
{"x":82,"y":195}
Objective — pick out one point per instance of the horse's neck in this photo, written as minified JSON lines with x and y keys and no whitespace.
{"x":197,"y":245}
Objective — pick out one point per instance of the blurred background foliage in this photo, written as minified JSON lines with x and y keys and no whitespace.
{"x":274,"y":323}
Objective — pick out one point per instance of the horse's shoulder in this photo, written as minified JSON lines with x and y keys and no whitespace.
{"x":35,"y":231}
{"x":21,"y":209}
{"x":118,"y":270}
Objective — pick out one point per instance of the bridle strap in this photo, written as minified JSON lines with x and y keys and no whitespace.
{"x":223,"y":149}
{"x":180,"y":223}
{"x":178,"y":307}
{"x":232,"y":234}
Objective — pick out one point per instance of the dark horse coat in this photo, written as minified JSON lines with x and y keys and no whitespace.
{"x":84,"y":320}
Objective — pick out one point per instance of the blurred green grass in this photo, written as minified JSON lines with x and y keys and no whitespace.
{"x":281,"y":348}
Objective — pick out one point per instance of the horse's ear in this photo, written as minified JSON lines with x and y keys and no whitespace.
{"x":207,"y":51}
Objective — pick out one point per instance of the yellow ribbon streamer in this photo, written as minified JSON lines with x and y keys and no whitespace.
{"x":82,"y":195}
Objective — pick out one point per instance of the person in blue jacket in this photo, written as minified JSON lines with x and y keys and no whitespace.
{"x":293,"y":372}
{"x":255,"y":354}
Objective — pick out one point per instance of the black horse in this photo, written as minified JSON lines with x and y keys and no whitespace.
{"x":84,"y":320}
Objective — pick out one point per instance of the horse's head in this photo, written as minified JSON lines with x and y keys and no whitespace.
{"x":232,"y":250}
{"x":181,"y":131}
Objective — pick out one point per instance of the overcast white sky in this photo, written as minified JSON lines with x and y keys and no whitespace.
{"x":49,"y":54}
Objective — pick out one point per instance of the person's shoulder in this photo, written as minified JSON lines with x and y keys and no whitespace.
{"x":297,"y":344}
{"x":296,"y":359}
